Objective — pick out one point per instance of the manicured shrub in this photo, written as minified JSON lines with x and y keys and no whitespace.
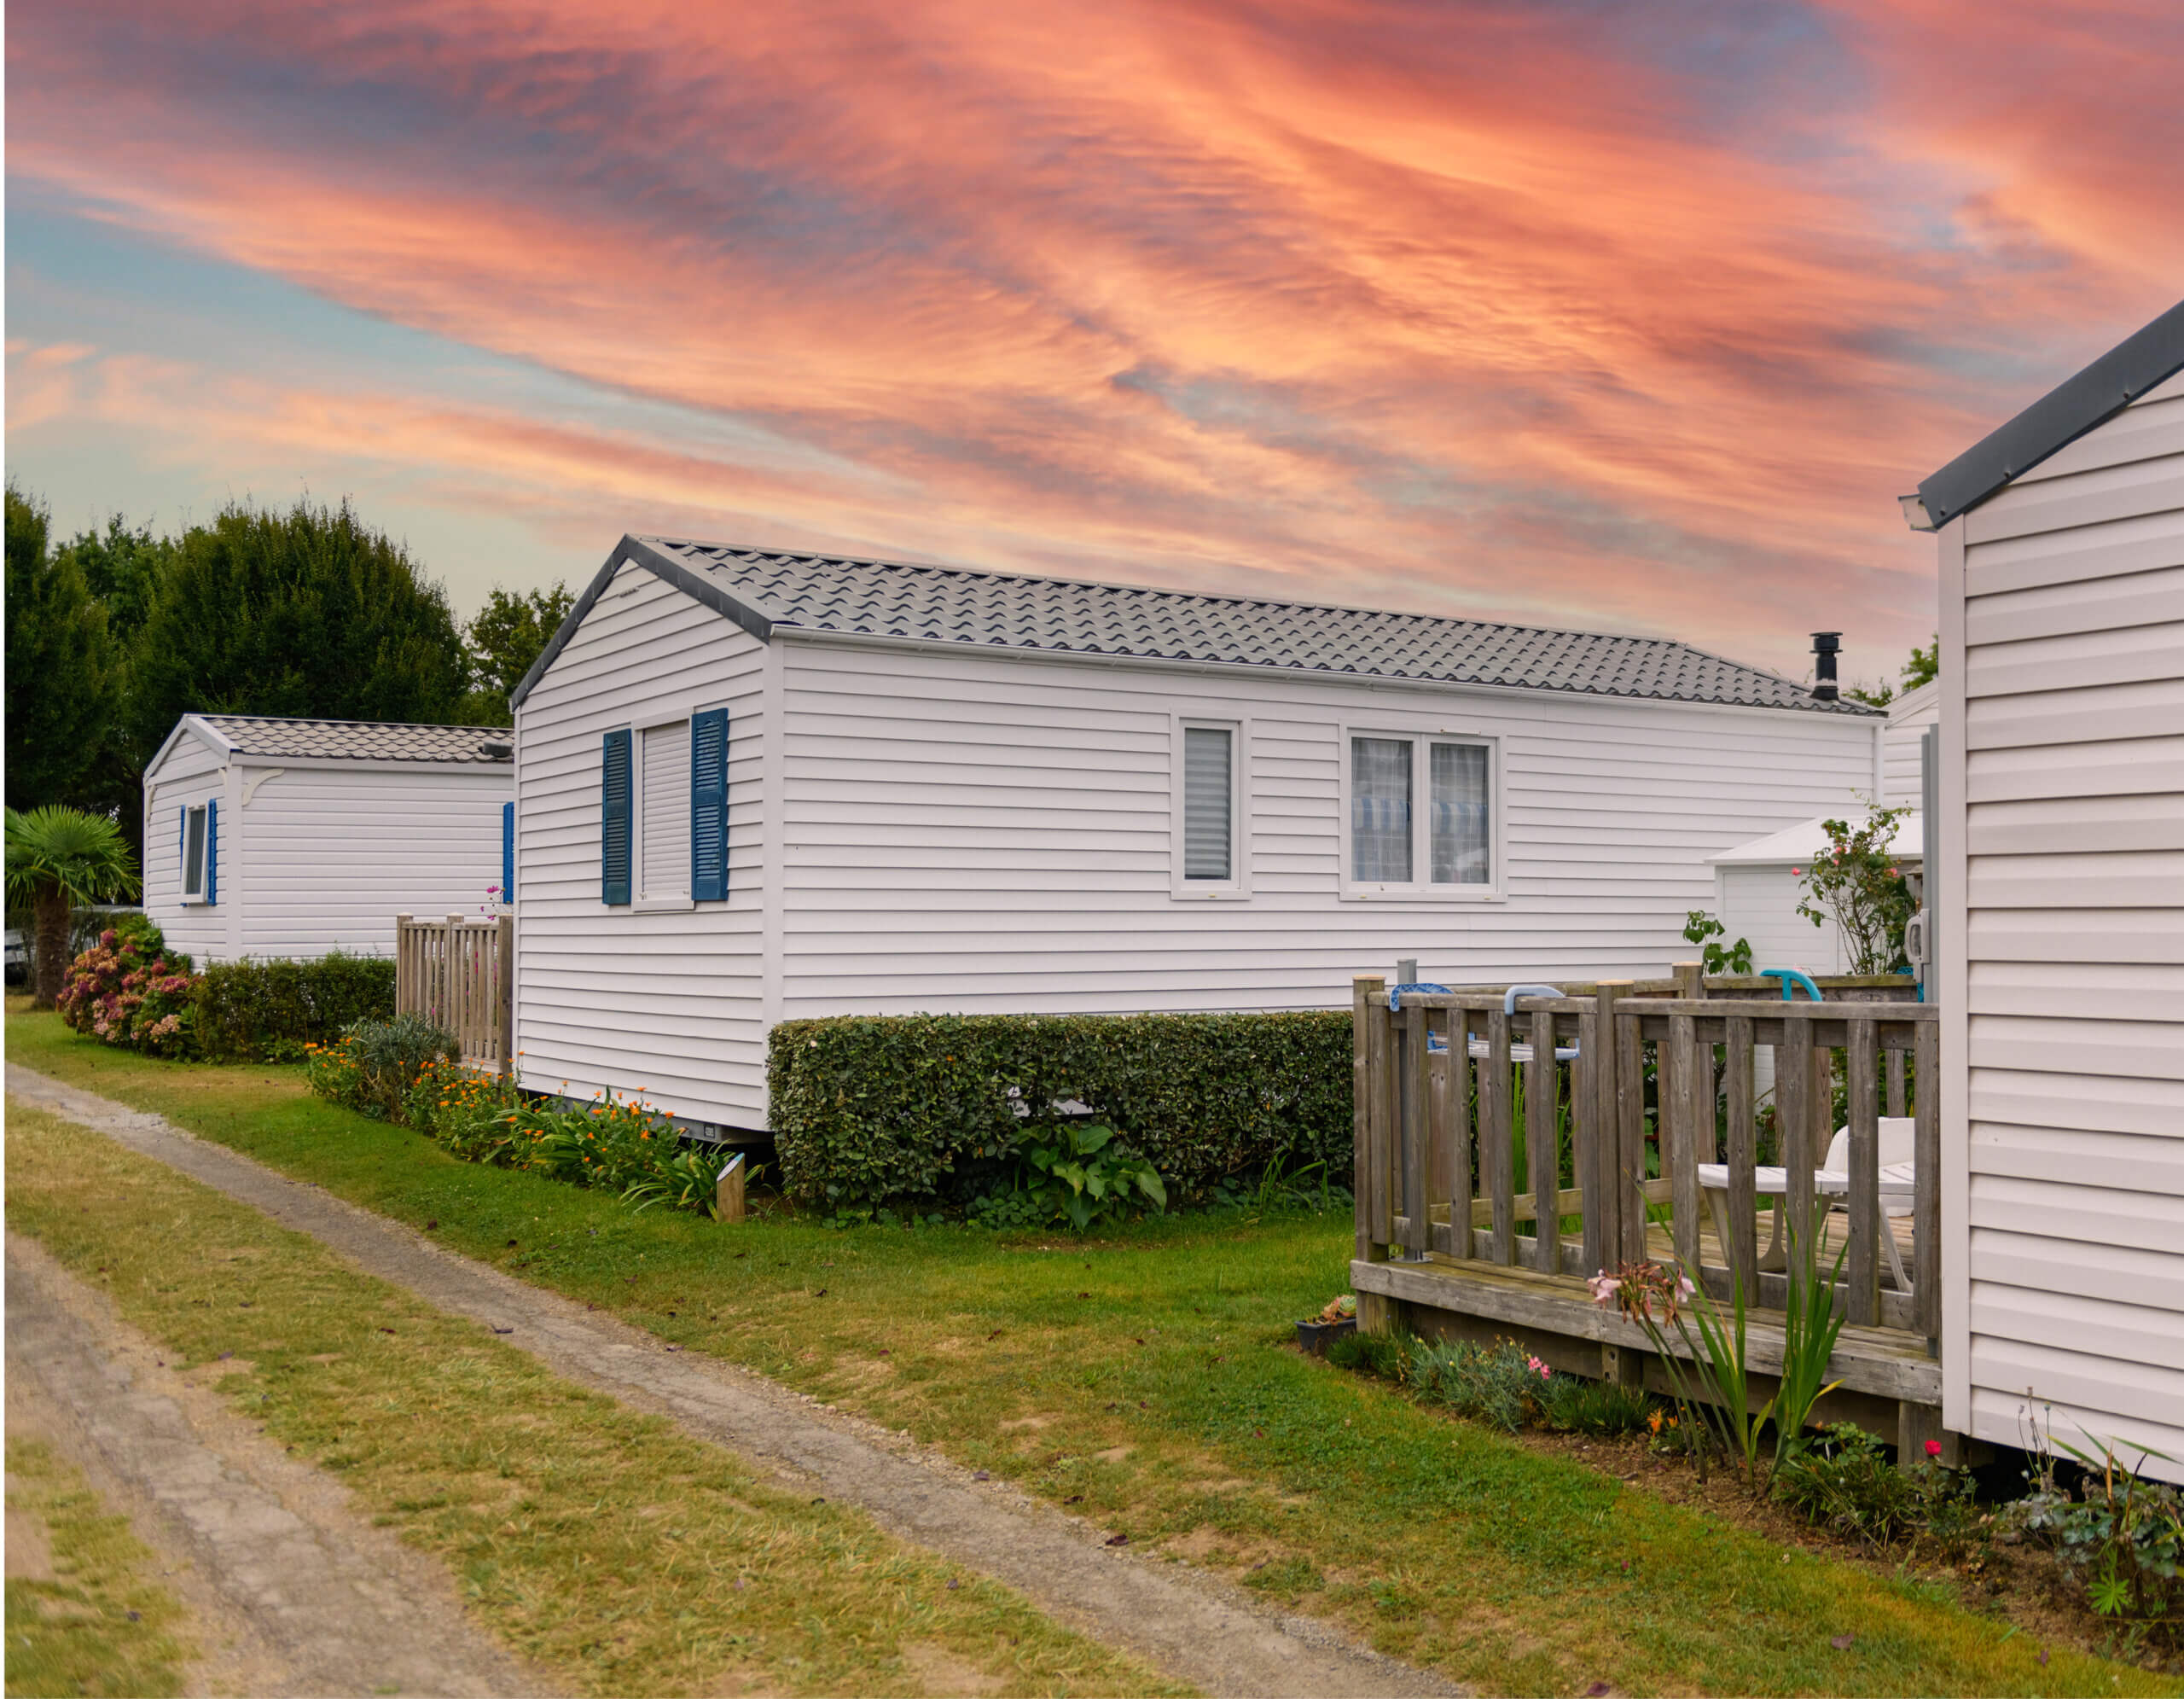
{"x":868,"y":1109}
{"x":128,"y":991}
{"x":270,"y":1011}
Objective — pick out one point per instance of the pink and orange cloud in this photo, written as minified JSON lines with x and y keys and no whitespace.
{"x":1611,"y":316}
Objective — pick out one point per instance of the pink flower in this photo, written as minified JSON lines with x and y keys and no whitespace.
{"x":1933,"y":1448}
{"x":1603,"y":1287}
{"x":1684,"y":1289}
{"x":1796,"y":873}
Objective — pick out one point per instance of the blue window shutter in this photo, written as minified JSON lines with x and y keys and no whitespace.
{"x":615,"y":818}
{"x":709,"y":805}
{"x":507,"y":855}
{"x":181,"y":875}
{"x":212,"y":852}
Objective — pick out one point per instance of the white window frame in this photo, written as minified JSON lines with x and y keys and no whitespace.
{"x":1421,"y":888}
{"x":196,"y":811}
{"x":639,"y":902}
{"x":1237,"y":887}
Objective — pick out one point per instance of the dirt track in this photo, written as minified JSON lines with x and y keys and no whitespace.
{"x":291,"y":1590}
{"x":1197,"y":1628}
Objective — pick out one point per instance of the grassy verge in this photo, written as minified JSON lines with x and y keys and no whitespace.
{"x":602,"y":1543}
{"x":1143,"y":1378}
{"x":83,"y":1616}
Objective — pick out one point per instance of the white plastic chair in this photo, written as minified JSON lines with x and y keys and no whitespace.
{"x":1831,"y":1184}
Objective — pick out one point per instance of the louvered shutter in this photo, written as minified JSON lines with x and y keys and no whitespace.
{"x":184,"y":874}
{"x":507,"y":855}
{"x":212,"y":852}
{"x":1207,"y":794}
{"x":709,"y":805}
{"x":615,"y":818}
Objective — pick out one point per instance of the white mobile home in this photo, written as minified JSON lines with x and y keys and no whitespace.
{"x":1757,"y":886}
{"x":296,"y":837}
{"x":752,"y":786}
{"x":2059,"y":865}
{"x":1903,"y":743}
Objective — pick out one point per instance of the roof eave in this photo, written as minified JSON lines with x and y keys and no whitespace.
{"x":2142,"y":361}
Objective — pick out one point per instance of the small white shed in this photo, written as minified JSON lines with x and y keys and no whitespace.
{"x":2059,"y":863}
{"x":1757,"y":886}
{"x":296,"y":837}
{"x":754,"y":786}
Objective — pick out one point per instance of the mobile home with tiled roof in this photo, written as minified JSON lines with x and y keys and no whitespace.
{"x":293,"y":838}
{"x":753,"y":786}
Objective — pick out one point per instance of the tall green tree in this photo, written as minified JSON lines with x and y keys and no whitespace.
{"x":502,"y":640}
{"x":1924,"y":666}
{"x":63,"y":670}
{"x":309,"y":612}
{"x":123,"y":569}
{"x":59,"y":859}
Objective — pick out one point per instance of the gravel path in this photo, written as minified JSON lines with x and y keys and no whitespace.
{"x":1198,"y":1628}
{"x":288,"y":1588}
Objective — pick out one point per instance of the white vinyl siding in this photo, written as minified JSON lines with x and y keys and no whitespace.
{"x":663,"y":825}
{"x":319,"y":856}
{"x":1209,"y":796}
{"x":673,"y":1002}
{"x":1909,"y":717}
{"x":981,"y":832}
{"x":2063,"y":943}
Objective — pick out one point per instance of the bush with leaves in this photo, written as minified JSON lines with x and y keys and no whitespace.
{"x":126,"y":990}
{"x":1702,"y":929}
{"x":1843,"y":1480}
{"x":274,"y":1011}
{"x":375,"y":1066}
{"x":1500,"y":1384}
{"x":1078,"y":1174}
{"x":876,"y":1110}
{"x":1855,"y":884}
{"x":2121,"y":1534}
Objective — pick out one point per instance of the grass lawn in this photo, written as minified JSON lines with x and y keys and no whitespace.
{"x":1142,"y":1378}
{"x":90,"y":1620}
{"x":602,"y":1543}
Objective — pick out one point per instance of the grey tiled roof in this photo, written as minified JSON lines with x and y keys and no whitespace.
{"x":997,"y":610}
{"x":357,"y":740}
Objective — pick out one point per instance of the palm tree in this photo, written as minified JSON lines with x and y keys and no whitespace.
{"x":58,"y":857}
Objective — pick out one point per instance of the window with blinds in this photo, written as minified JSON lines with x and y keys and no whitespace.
{"x":1380,"y":811}
{"x":664,"y":823}
{"x":1209,"y":802}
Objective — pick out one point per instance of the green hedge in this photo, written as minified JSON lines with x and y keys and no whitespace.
{"x":268,"y":1011}
{"x":870,"y":1108}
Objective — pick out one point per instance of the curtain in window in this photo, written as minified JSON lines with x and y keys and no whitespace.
{"x":1460,"y":837}
{"x":1207,"y":789}
{"x":1380,"y":809}
{"x":193,"y":858}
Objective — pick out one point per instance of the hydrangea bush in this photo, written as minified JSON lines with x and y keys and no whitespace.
{"x":129,"y":991}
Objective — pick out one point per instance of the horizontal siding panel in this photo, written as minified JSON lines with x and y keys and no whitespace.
{"x":2074,"y":661}
{"x":2095,"y":1103}
{"x":2143,"y":1392}
{"x":2002,"y":1418}
{"x":2149,"y":1050}
{"x":2110,"y":1273}
{"x":2152,"y":991}
{"x":2118,"y":1161}
{"x":2111,"y":604}
{"x":2146,"y":430}
{"x":2146,"y":936}
{"x":2100,"y":496}
{"x":2138,"y":766}
{"x":2062,"y":1321}
{"x":2042,"y":826}
{"x":2151,"y":707}
{"x":2145,"y":1220}
{"x":2143,"y":543}
{"x":2116,"y":879}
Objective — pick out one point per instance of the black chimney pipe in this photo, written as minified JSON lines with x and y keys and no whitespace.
{"x":1826,"y":645}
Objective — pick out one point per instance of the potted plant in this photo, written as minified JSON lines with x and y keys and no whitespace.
{"x":1337,"y":1319}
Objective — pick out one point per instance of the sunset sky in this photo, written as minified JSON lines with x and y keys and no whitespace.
{"x":1621,"y":317}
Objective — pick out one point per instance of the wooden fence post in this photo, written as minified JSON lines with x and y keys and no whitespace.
{"x":1859,"y":1060}
{"x":1365,"y":992}
{"x":727,"y":1191}
{"x":405,"y":965}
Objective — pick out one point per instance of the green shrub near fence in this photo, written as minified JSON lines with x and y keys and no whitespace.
{"x":867,"y":1110}
{"x":268,"y":1011}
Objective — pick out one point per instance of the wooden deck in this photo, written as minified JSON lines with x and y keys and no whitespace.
{"x":1460,"y":1094}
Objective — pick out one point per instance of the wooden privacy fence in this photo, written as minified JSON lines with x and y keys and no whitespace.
{"x":459,"y":972}
{"x":1524,"y":1133}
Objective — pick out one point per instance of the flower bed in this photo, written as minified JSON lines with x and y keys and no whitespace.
{"x":406,"y":1071}
{"x":128,"y":991}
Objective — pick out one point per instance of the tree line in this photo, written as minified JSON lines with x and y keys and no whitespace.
{"x":307,"y":612}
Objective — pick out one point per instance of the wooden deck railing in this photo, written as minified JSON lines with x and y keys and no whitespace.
{"x":1530,"y":1139}
{"x":460,"y":973}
